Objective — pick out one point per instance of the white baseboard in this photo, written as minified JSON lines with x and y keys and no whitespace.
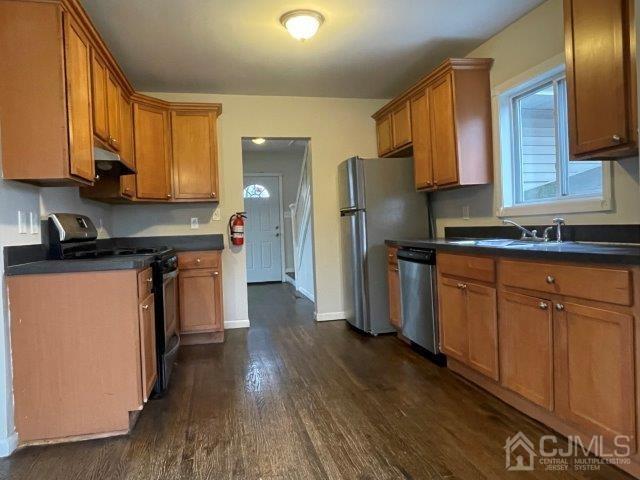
{"x":306,"y":293}
{"x":289,"y":270}
{"x":8,"y":445}
{"x":329,"y":316}
{"x":231,"y":324}
{"x":290,"y":280}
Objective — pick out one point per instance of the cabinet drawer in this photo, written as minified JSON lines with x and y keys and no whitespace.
{"x":599,"y":284}
{"x":145,"y":283}
{"x":187,"y":260}
{"x":467,"y":266}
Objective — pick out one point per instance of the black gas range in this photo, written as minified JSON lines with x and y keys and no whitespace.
{"x":74,"y":237}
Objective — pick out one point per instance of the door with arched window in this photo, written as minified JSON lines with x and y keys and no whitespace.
{"x":263,"y":229}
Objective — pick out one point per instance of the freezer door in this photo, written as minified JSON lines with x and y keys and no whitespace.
{"x":352,"y":237}
{"x":351,"y":184}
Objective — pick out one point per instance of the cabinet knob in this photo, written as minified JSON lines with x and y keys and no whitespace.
{"x":551,"y":279}
{"x":149,"y":280}
{"x":168,"y":195}
{"x":145,"y":307}
{"x":616,"y":138}
{"x":462,"y":286}
{"x":543,"y":305}
{"x":559,"y":307}
{"x":213,"y":194}
{"x":216,"y":273}
{"x":198,"y":260}
{"x":97,"y":177}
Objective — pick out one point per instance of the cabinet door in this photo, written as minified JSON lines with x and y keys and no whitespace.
{"x":525,"y":344}
{"x":421,"y":136}
{"x":148,"y":346}
{"x":153,"y":152}
{"x":200,"y":300}
{"x":113,"y":112}
{"x":595,"y":387}
{"x":401,"y":125}
{"x":99,"y":74}
{"x":599,"y":75}
{"x":78,"y":82}
{"x":195,"y":154}
{"x":393,"y":280}
{"x":385,"y":135}
{"x":482,"y":325}
{"x":443,"y":132}
{"x":127,"y":182}
{"x":453,"y":319}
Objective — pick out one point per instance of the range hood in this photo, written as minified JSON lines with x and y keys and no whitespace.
{"x":109,"y":163}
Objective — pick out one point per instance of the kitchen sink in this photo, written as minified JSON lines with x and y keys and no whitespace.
{"x":506,"y":243}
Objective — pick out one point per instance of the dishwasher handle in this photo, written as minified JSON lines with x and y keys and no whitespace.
{"x":426,"y":257}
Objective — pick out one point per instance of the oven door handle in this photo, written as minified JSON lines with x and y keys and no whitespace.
{"x":170,"y":275}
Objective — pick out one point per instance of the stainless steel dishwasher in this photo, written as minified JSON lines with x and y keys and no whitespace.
{"x":419,"y":299}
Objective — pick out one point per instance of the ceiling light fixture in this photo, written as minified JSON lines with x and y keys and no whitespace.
{"x":258,"y":141}
{"x":302,"y":24}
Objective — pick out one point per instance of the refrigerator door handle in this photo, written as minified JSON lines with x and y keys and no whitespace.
{"x":348,"y":212}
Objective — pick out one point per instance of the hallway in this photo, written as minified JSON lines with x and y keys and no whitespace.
{"x":294,"y":399}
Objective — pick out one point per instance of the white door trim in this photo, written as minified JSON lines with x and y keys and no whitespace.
{"x":280,"y":212}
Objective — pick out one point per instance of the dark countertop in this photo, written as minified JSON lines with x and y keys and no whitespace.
{"x":32,"y":259}
{"x":566,"y":251}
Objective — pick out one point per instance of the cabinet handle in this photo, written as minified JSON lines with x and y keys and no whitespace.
{"x":616,"y":138}
{"x":97,"y":177}
{"x":543,"y":305}
{"x":149,"y":280}
{"x":168,"y":195}
{"x":216,"y":273}
{"x":462,"y":286}
{"x":145,"y":307}
{"x":551,"y":279}
{"x":395,"y":269}
{"x":213,"y":194}
{"x":559,"y":307}
{"x":198,"y":260}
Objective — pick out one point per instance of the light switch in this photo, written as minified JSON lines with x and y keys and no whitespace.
{"x":22,"y":222}
{"x":34,"y":223}
{"x":465,"y":212}
{"x":194,"y":223}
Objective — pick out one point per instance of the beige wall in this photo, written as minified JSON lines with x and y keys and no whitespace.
{"x":533,"y":39}
{"x":338,"y":129}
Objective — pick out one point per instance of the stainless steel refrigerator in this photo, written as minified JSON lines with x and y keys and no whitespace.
{"x":378,"y":201}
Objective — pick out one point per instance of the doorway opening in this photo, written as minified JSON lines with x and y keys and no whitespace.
{"x":278,"y":199}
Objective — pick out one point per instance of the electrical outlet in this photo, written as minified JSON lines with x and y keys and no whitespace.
{"x":34,"y":223}
{"x":465,"y":212}
{"x":216,"y":215}
{"x":194,"y":223}
{"x":22,"y":222}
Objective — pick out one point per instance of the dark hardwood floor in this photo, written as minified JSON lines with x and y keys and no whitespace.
{"x":292,"y":399}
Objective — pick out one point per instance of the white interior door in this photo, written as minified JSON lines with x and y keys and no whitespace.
{"x":263,"y":231}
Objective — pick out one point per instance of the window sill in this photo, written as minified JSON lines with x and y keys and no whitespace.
{"x":578,"y":205}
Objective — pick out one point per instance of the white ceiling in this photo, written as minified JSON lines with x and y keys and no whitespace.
{"x":365,"y":49}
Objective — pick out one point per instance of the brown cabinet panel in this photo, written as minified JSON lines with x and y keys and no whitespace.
{"x":113,"y":112}
{"x":393,"y":281}
{"x":525,"y":346}
{"x":482,"y":326}
{"x":127,"y":154}
{"x":401,"y":125}
{"x":421,"y":135}
{"x":204,"y":259}
{"x":148,"y":346}
{"x":445,"y":160}
{"x":99,"y":74}
{"x":153,"y":152}
{"x":595,"y":381}
{"x":77,"y":56}
{"x":454,"y":335}
{"x":385,"y":135}
{"x":195,"y":154}
{"x":467,"y":266}
{"x":601,"y":85}
{"x":200,"y":300}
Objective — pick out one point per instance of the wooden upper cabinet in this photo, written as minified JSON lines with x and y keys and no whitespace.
{"x":401,"y":125}
{"x":445,"y":121}
{"x":445,"y":164}
{"x":113,"y":112}
{"x":526,"y":347}
{"x":99,"y":74}
{"x":78,"y":78}
{"x":384,"y":135}
{"x":127,"y":153}
{"x":600,"y":55}
{"x":195,"y":154}
{"x":153,"y":152}
{"x":421,"y":134}
{"x":595,"y":373}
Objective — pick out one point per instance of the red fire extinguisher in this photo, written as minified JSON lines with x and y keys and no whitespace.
{"x":236,"y":228}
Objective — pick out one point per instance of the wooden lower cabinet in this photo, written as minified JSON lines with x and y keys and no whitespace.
{"x":595,"y":374}
{"x":148,"y":345}
{"x":393,"y":282}
{"x":200,"y":293}
{"x":468,"y":324}
{"x":526,"y":347}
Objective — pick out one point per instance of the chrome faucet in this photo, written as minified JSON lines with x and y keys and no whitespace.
{"x":558,"y":226}
{"x":527,"y":234}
